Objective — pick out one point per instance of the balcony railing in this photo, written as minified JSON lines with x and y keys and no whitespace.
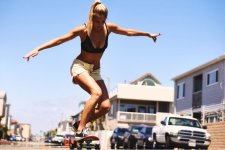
{"x":136,"y":117}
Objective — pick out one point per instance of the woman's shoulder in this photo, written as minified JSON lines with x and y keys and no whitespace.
{"x":111,"y":26}
{"x":81,"y":27}
{"x":79,"y":30}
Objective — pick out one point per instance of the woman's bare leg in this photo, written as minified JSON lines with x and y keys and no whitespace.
{"x":102,"y":98}
{"x":103,"y":103}
{"x":90,"y":85}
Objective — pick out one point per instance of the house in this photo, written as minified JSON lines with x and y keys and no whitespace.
{"x":3,"y":99}
{"x":65,"y":127}
{"x":142,"y":101}
{"x":25,"y":131}
{"x":200,"y":92}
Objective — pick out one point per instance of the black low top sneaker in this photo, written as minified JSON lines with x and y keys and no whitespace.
{"x":82,"y":134}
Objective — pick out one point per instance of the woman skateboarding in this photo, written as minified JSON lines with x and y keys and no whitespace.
{"x":85,"y":69}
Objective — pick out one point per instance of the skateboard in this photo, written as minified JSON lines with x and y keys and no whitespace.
{"x":88,"y":142}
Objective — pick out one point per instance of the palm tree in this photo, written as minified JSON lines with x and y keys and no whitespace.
{"x":82,"y":104}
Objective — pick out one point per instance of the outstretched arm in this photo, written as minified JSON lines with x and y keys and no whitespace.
{"x":57,"y":41}
{"x":131,"y":32}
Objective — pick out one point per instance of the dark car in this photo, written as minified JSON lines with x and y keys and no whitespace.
{"x":117,"y":138}
{"x":48,"y":139}
{"x":144,"y":138}
{"x":130,"y":137}
{"x":11,"y":138}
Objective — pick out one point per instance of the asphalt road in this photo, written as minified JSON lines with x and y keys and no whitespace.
{"x":32,"y":146}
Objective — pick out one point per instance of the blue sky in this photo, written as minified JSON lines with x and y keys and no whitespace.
{"x":41,"y":92}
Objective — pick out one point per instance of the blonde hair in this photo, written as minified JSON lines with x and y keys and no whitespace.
{"x":97,"y":9}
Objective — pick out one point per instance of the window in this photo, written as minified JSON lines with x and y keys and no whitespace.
{"x":212,"y":77}
{"x":197,"y":83}
{"x":122,"y":107}
{"x":142,"y":109}
{"x":148,"y":82}
{"x":112,"y":109}
{"x":164,"y":107}
{"x":152,"y":109}
{"x":131,"y":108}
{"x":181,"y":90}
{"x":127,"y":108}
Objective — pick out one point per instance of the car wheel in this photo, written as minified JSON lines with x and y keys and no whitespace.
{"x":97,"y":146}
{"x":125,"y":146}
{"x":139,"y":147}
{"x":148,"y":145}
{"x":117,"y":146}
{"x":112,"y":146}
{"x":168,"y":144}
{"x":155,"y":144}
{"x":72,"y":146}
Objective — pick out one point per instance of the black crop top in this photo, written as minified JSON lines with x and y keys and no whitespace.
{"x":87,"y":46}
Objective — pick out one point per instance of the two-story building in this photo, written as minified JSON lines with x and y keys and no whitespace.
{"x":142,"y":101}
{"x":65,"y":127}
{"x":3,"y":99}
{"x":200,"y":92}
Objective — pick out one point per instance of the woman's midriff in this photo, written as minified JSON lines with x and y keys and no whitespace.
{"x":91,"y":58}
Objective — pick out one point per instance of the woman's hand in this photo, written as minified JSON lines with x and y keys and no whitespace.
{"x":32,"y":53}
{"x":154,"y":36}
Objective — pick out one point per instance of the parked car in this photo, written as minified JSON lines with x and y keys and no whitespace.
{"x":117,"y":138}
{"x":19,"y":138}
{"x":48,"y":139}
{"x":12,"y":138}
{"x":144,"y":138}
{"x":58,"y":139}
{"x":178,"y":131}
{"x":130,"y":137}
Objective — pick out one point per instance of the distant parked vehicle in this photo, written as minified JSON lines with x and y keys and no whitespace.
{"x":48,"y":139}
{"x":19,"y":138}
{"x":12,"y":138}
{"x":58,"y":139}
{"x":130,"y":137}
{"x":117,"y":137}
{"x":144,"y":138}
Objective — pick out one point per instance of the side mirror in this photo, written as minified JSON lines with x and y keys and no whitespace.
{"x":163,"y":123}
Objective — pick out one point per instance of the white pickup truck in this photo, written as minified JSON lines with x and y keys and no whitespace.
{"x":180,"y":132}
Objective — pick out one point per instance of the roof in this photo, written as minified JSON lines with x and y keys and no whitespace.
{"x":145,"y":76}
{"x":212,"y":62}
{"x":2,"y":95}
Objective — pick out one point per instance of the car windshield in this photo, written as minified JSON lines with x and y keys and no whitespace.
{"x":122,"y":130}
{"x":136,"y":129}
{"x":184,"y":122}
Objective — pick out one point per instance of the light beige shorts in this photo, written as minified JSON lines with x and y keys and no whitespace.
{"x":79,"y":66}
